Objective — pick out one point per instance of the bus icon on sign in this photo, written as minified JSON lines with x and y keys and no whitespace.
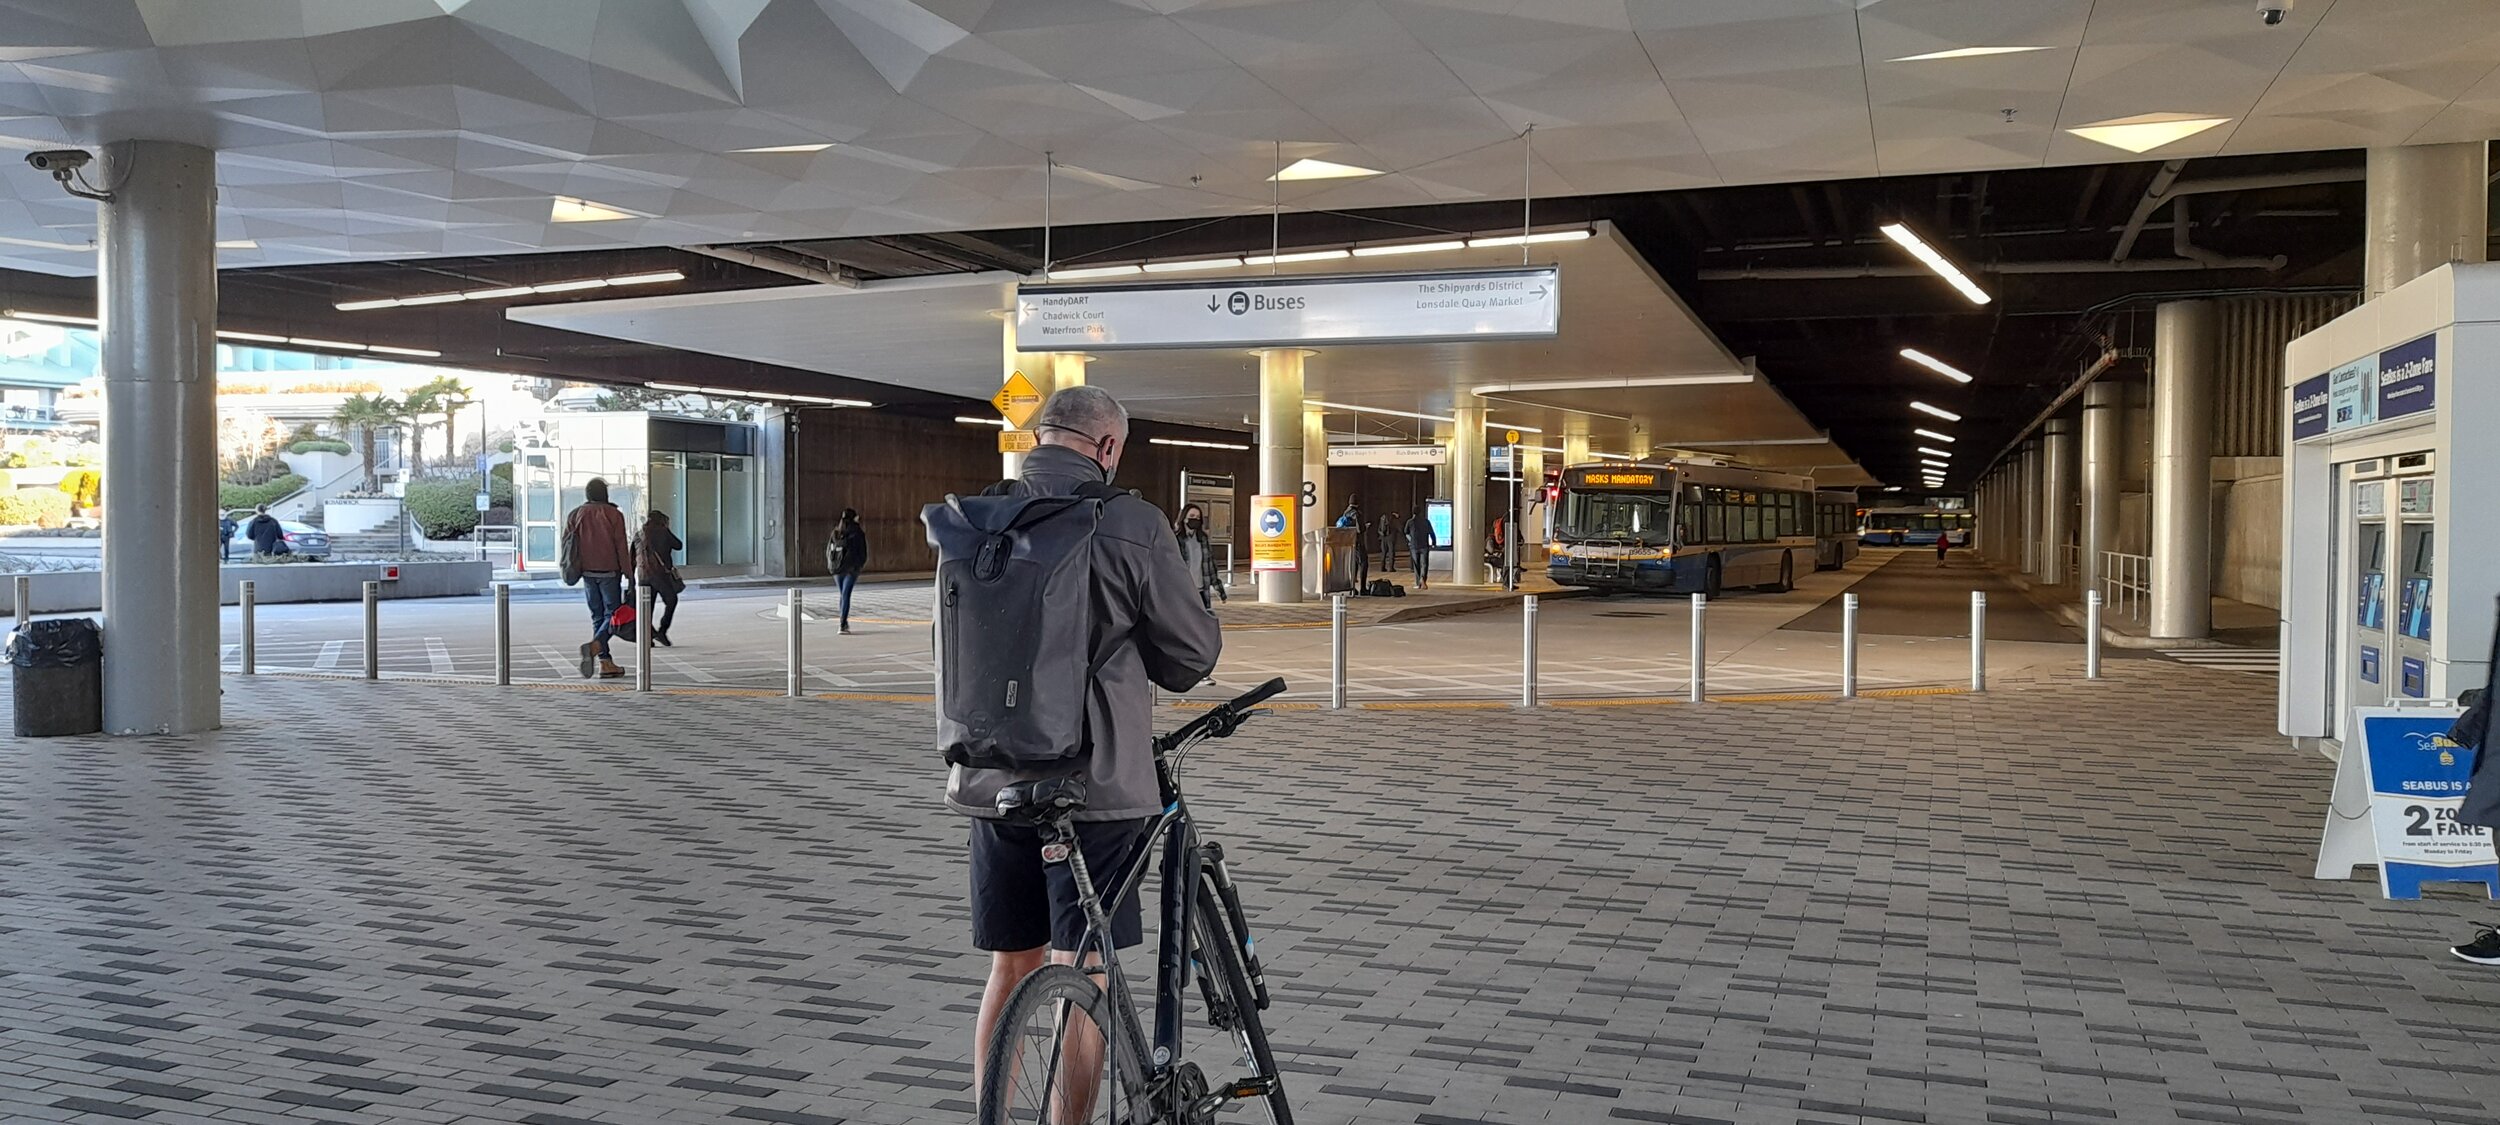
{"x":1271,"y":522}
{"x":1239,"y":303}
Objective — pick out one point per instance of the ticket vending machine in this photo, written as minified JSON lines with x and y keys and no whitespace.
{"x":2390,"y":567}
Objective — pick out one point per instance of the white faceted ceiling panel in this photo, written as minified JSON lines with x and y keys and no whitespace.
{"x":371,"y":129}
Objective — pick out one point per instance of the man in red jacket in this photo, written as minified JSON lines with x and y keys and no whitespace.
{"x":595,"y":555}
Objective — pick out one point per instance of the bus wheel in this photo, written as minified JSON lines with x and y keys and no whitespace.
{"x":1710,"y":578}
{"x":1788,"y":574}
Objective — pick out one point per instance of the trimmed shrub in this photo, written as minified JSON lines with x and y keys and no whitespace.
{"x":255,"y":495}
{"x":446,"y":507}
{"x":320,"y":445}
{"x":41,"y":507}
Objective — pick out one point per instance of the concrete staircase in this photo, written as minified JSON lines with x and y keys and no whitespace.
{"x":384,"y":540}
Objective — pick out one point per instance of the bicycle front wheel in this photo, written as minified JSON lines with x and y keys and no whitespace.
{"x":1232,"y":1004}
{"x":1052,"y":1059}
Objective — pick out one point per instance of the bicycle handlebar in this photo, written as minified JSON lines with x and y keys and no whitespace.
{"x":1221,"y":719}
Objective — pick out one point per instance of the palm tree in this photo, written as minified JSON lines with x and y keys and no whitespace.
{"x":413,"y":412}
{"x":445,"y":396}
{"x":368,"y":415}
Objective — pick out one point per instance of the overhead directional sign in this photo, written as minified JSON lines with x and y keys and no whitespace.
{"x":1477,"y":304}
{"x":1431,"y":454}
{"x":1018,"y":401}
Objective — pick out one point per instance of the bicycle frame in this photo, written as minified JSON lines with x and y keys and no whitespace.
{"x":1177,"y":834}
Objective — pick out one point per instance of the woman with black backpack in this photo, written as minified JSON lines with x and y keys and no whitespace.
{"x":655,"y":550}
{"x":846,"y":554}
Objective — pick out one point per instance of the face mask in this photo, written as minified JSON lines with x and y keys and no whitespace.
{"x":1195,"y":523}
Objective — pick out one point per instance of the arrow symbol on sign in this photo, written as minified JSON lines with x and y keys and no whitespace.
{"x":1540,"y":291}
{"x":1215,"y":304}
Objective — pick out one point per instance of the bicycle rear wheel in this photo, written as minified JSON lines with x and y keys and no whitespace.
{"x":1232,"y":1004}
{"x":1051,"y":1059}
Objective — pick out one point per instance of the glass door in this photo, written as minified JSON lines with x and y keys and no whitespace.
{"x":536,"y":506}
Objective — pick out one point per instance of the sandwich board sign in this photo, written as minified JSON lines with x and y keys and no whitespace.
{"x":2397,"y":791}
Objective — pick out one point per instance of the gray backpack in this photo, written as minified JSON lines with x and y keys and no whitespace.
{"x":1016,"y":650}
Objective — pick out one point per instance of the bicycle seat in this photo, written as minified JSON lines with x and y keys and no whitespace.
{"x":1045,"y":799}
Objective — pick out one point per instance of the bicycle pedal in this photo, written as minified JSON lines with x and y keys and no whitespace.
{"x":1250,"y":1088}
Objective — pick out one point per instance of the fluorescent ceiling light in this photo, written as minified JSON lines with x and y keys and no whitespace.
{"x":1612,"y":382}
{"x":566,"y":209}
{"x":570,"y":286}
{"x":1610,"y":456}
{"x":1295,"y":256}
{"x":819,"y":146}
{"x":1409,"y":248}
{"x":1417,"y":469}
{"x":309,"y":342}
{"x":2146,"y":131}
{"x":423,"y":353}
{"x":49,"y":318}
{"x":1936,"y":464}
{"x":1309,"y":169}
{"x":1192,"y":264}
{"x":504,"y":291}
{"x":1966,"y":53}
{"x":1194,"y":444}
{"x":432,"y":299}
{"x":1092,"y":271}
{"x":1918,"y":248}
{"x":39,"y":244}
{"x":969,"y":420}
{"x":652,"y":278}
{"x":498,"y":294}
{"x":251,"y":337}
{"x":1530,"y":239}
{"x":238,"y":244}
{"x":1945,"y":438}
{"x":1938,"y":411}
{"x":821,"y":400}
{"x":1936,"y":452}
{"x":1378,"y":410}
{"x":687,"y":388}
{"x":1931,"y":363}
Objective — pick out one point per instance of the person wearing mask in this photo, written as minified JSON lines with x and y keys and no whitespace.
{"x":595,"y":554}
{"x":1024,"y":911}
{"x":1387,"y":540}
{"x":846,"y":554}
{"x":655,"y":550}
{"x":1198,"y":554}
{"x":1419,"y":543}
{"x":268,"y":536}
{"x":225,"y":537}
{"x":1352,"y":521}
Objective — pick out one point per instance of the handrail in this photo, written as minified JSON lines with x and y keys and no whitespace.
{"x":2126,"y":583}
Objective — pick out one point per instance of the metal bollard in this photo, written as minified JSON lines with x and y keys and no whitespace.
{"x":503,"y":634}
{"x":373,"y":630}
{"x":25,"y":600}
{"x":1848,"y":646}
{"x":1336,"y":652}
{"x":1978,"y":640}
{"x":1527,"y":651}
{"x":642,"y":640}
{"x":798,"y":643}
{"x":251,"y":644}
{"x":2092,"y":635}
{"x":1701,"y":647}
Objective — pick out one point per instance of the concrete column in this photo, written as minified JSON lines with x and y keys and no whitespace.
{"x":1280,"y":450}
{"x":1320,"y":512}
{"x":1575,"y":449}
{"x":157,"y":280}
{"x":2104,"y":478}
{"x":2185,"y":338}
{"x":2027,"y":515}
{"x":1531,"y":510}
{"x":775,"y":555}
{"x":1047,"y":371}
{"x":2057,"y":494}
{"x":2428,"y":206}
{"x":1467,"y":522}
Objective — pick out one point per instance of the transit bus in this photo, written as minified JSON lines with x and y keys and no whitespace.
{"x":1915,"y":527}
{"x":1688,"y":527}
{"x":1835,"y":529}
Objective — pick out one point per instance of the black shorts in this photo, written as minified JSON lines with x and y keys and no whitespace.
{"x":1019,"y":902}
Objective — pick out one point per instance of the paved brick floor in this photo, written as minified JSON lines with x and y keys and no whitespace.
{"x":406,"y":902}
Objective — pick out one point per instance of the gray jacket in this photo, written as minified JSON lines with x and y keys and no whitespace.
{"x":1145,"y":596}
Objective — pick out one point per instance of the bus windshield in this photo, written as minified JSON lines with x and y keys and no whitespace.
{"x":1640,"y":517}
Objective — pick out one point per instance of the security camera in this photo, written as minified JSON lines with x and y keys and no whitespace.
{"x":59,"y":161}
{"x":2273,"y":11}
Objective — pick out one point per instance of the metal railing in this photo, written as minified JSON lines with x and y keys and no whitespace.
{"x":2126,"y":584}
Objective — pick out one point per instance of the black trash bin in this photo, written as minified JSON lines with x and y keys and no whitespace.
{"x":58,"y":671}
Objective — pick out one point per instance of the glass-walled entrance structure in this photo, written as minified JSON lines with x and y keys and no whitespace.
{"x":699,"y":471}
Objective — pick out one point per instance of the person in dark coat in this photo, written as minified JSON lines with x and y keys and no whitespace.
{"x":655,"y":550}
{"x":1388,"y":540}
{"x":1419,"y":543}
{"x":267,"y":534}
{"x":1198,"y":554}
{"x":2481,"y":807}
{"x":225,"y":537}
{"x":846,"y":555}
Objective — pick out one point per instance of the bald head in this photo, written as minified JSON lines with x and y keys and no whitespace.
{"x":1085,"y":419}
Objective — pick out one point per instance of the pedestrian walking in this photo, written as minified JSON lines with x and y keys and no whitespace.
{"x":2481,"y":806}
{"x":1120,"y":631}
{"x":1419,"y":543}
{"x":225,"y":537}
{"x":268,"y":536}
{"x":1386,"y":538}
{"x":1198,"y":554}
{"x":1352,"y":521}
{"x":846,"y":554}
{"x":655,"y":550}
{"x":1944,"y":543}
{"x":594,"y":554}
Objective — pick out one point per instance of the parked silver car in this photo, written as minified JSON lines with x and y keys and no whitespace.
{"x":301,"y":538}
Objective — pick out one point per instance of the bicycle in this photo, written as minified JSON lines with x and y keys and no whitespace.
{"x":1048,"y":1067}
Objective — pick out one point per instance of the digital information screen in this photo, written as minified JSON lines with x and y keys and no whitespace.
{"x":1617,"y":478}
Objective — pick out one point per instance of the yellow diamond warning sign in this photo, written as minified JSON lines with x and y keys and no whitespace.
{"x":1018,"y":401}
